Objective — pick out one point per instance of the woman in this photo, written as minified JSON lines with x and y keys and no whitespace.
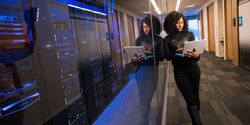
{"x":146,"y":77}
{"x":186,"y":70}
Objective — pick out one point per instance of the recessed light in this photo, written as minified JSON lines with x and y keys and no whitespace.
{"x":146,"y":12}
{"x":190,"y":6}
{"x":156,"y":7}
{"x":177,"y":5}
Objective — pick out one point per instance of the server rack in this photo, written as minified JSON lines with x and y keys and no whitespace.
{"x":100,"y":79}
{"x":62,"y":100}
{"x":91,"y":62}
{"x":19,"y":94}
{"x":58,"y":64}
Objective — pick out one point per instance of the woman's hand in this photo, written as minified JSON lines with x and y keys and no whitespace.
{"x":179,"y":49}
{"x":137,"y":58}
{"x":193,"y":54}
{"x":147,"y":52}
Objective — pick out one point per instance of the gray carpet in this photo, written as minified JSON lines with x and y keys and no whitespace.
{"x":224,"y":95}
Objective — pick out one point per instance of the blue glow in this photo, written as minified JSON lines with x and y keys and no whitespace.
{"x":81,"y":6}
{"x":113,"y":5}
{"x":22,"y":100}
{"x":121,"y":101}
{"x":25,"y":85}
{"x":22,"y":108}
{"x":9,"y":19}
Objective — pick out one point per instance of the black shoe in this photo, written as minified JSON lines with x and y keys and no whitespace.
{"x":194,"y":114}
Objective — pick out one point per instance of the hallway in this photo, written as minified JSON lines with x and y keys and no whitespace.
{"x":224,"y":95}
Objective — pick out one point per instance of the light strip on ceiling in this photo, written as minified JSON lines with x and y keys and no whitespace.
{"x":156,"y":7}
{"x":190,"y":6}
{"x":85,"y":9}
{"x":177,"y":5}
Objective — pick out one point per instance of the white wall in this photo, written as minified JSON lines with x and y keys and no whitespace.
{"x":221,"y":28}
{"x":217,"y":33}
{"x":245,"y":28}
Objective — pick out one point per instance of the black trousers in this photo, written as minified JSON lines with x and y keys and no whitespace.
{"x":188,"y":82}
{"x":146,"y":79}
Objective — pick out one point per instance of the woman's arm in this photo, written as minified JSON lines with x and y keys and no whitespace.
{"x":159,"y":53}
{"x":168,"y":53}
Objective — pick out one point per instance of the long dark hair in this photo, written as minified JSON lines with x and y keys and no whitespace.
{"x":156,"y":24}
{"x":170,"y":22}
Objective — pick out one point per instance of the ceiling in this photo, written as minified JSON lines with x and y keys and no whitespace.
{"x":140,"y":6}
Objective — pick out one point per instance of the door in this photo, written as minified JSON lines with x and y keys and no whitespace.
{"x":131,"y":31}
{"x":244,"y":38}
{"x":211,"y":31}
{"x":228,"y":20}
{"x":201,"y":24}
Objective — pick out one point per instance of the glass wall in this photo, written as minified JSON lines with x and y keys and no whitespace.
{"x":75,"y":62}
{"x":141,"y":100}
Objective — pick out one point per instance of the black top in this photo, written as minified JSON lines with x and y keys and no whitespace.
{"x":157,"y":49}
{"x":172,"y":42}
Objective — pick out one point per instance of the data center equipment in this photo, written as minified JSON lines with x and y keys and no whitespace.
{"x":19,"y":92}
{"x":56,"y":62}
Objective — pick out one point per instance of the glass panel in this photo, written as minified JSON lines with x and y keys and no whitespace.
{"x":64,"y":62}
{"x":19,"y":90}
{"x":141,"y":100}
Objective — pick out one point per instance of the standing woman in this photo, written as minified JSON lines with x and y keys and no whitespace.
{"x":146,"y":77}
{"x":186,"y":70}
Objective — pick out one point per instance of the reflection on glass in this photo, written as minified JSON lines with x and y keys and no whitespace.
{"x":18,"y":89}
{"x":146,"y":77}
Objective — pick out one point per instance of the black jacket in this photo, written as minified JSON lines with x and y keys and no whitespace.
{"x":172,"y":42}
{"x":157,"y":49}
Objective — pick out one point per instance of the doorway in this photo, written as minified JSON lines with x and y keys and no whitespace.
{"x":211,"y":36}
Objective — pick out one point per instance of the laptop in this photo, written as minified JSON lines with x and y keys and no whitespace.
{"x":130,"y":51}
{"x":198,"y":45}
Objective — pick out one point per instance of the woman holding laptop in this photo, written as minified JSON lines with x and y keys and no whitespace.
{"x":146,"y":77}
{"x":186,"y":70}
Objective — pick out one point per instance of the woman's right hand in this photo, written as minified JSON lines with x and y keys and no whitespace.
{"x":179,"y":49}
{"x":147,"y":52}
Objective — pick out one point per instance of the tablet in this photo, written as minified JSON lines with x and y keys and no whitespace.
{"x":199,"y":45}
{"x":130,"y":51}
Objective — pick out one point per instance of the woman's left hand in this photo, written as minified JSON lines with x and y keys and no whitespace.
{"x":147,"y":52}
{"x":193,"y":54}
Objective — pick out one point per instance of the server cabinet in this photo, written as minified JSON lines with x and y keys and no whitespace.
{"x":19,"y":92}
{"x":101,"y":73}
{"x":95,"y":60}
{"x":62,"y":99}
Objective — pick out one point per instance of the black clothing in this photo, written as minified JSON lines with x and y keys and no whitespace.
{"x":157,"y":48}
{"x":188,"y":82}
{"x":194,"y":115}
{"x":146,"y":77}
{"x":186,"y":71}
{"x":172,"y":42}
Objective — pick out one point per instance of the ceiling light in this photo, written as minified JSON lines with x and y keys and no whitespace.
{"x":190,"y":6}
{"x":156,"y":7}
{"x":86,"y":9}
{"x":177,"y":5}
{"x":146,"y":12}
